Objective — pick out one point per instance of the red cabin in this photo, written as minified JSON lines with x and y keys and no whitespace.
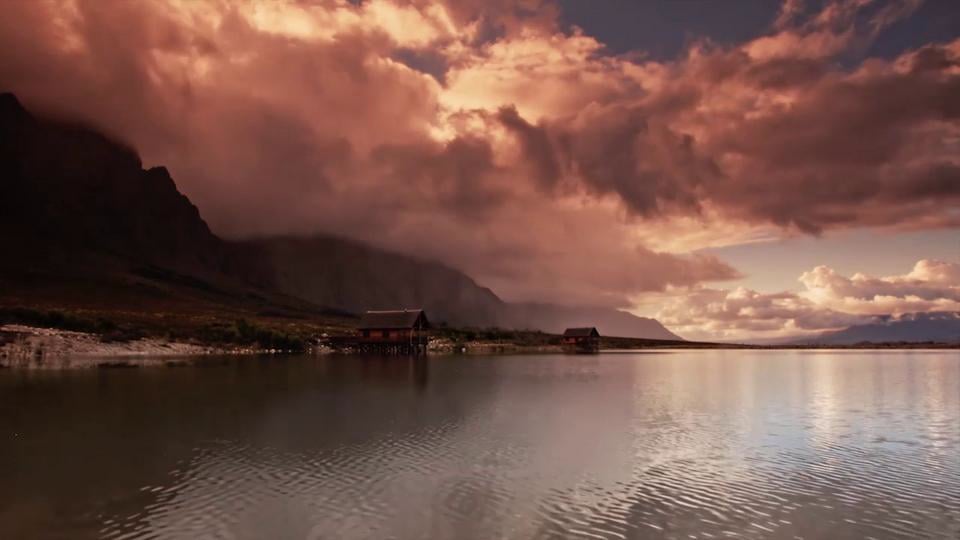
{"x":400,"y":330}
{"x":581,"y":340}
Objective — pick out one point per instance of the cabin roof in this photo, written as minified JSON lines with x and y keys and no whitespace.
{"x":397,"y":319}
{"x":590,"y":331}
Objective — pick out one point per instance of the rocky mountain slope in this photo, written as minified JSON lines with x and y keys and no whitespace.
{"x":76,"y":203}
{"x":353,"y":277}
{"x":70,"y":192}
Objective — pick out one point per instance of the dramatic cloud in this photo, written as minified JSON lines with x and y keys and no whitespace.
{"x":930,"y":286}
{"x":483,"y":134}
{"x":828,"y":301}
{"x":782,"y":137}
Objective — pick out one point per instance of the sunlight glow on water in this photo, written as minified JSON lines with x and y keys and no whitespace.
{"x":692,"y":444}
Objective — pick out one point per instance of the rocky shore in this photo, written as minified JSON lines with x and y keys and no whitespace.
{"x":31,"y":347}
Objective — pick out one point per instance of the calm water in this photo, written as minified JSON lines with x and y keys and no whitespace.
{"x":702,"y":444}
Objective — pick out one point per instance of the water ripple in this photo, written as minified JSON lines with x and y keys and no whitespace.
{"x":687,"y":445}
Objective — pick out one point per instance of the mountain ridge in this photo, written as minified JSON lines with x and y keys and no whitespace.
{"x":933,"y":327}
{"x":79,"y":202}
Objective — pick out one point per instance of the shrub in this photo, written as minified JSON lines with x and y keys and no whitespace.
{"x":52,"y":319}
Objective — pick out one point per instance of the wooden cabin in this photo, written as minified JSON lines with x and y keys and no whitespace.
{"x":402,"y":331}
{"x":581,"y":340}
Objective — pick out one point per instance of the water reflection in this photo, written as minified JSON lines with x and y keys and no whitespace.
{"x":691,"y":444}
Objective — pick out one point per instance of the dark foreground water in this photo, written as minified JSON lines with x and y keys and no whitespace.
{"x":701,"y":444}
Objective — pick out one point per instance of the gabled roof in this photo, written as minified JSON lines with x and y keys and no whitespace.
{"x":581,"y":332}
{"x":399,"y":319}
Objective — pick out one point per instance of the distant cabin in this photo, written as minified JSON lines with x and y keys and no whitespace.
{"x":404,"y":330}
{"x":581,"y":340}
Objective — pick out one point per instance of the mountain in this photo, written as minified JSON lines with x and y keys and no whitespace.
{"x":940,"y":327}
{"x":610,"y":322}
{"x":353,"y":277}
{"x":83,"y":225}
{"x":85,"y":218}
{"x":70,"y":192}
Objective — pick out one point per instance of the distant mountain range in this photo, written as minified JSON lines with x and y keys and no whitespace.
{"x":76,"y":203}
{"x":939,"y":327}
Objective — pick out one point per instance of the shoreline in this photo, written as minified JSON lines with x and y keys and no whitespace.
{"x":34,"y":347}
{"x":31,"y":347}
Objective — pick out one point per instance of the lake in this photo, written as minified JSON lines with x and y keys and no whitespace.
{"x":666,"y":444}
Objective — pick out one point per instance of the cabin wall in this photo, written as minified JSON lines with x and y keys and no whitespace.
{"x":392,"y":334}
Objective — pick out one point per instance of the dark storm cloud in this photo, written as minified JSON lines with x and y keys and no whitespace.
{"x":469,"y":130}
{"x":451,"y":176}
{"x":774,"y":134}
{"x":536,"y":145}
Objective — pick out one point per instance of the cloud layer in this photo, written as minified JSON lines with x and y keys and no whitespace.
{"x":827,"y":301}
{"x":484,"y":135}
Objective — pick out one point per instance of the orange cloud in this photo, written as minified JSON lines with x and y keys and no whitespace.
{"x":485,"y":135}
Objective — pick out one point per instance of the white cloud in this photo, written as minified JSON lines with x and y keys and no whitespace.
{"x":930,"y":286}
{"x":828,"y":301}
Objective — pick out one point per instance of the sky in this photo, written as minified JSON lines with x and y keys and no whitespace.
{"x":739,"y":170}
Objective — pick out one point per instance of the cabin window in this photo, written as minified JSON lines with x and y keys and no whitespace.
{"x":366,"y":333}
